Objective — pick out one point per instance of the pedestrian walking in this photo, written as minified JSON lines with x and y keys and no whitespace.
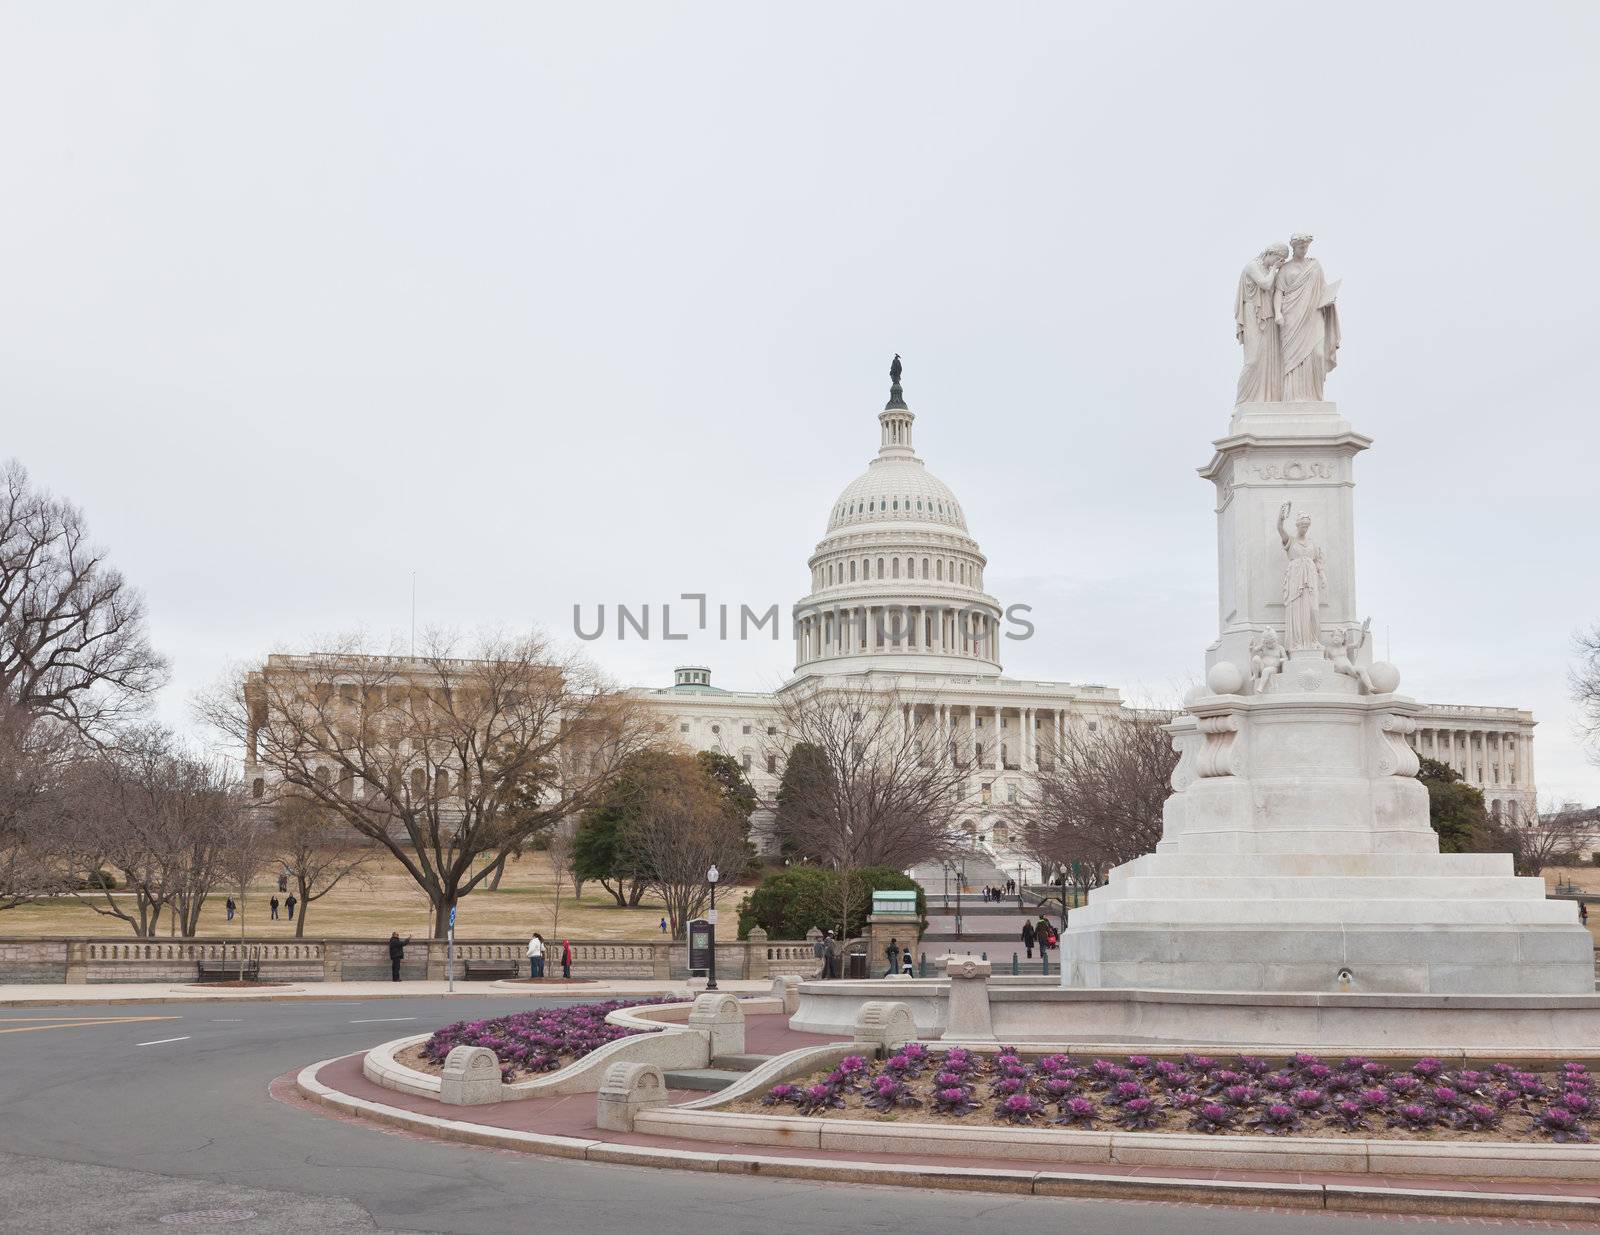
{"x":819,"y":949}
{"x":566,"y":958}
{"x":893,"y":953}
{"x":289,"y":905}
{"x":536,"y":956}
{"x":1583,"y":913}
{"x":906,"y":971}
{"x":1027,"y":938}
{"x":830,"y":956}
{"x":273,"y":903}
{"x":663,"y":926}
{"x":283,"y":882}
{"x":397,"y":953}
{"x":228,"y":905}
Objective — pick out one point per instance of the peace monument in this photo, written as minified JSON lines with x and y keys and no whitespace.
{"x":1296,"y":853}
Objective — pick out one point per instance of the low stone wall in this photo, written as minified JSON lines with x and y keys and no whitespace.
{"x":130,"y":959}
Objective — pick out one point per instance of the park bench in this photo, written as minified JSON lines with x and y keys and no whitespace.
{"x":227,"y":971}
{"x":485,"y":970}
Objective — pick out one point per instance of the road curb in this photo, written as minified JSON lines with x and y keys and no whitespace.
{"x":1345,"y":1198}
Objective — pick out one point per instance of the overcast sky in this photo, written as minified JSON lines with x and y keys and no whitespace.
{"x":591,"y":303}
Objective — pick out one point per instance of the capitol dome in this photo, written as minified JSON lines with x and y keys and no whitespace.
{"x":897,"y":580}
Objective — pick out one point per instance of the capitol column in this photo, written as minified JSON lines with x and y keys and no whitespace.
{"x":999,"y":744}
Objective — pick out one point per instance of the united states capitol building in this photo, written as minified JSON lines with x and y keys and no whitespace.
{"x":897,"y":602}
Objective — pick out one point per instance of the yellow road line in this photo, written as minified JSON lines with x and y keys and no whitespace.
{"x":34,"y":1024}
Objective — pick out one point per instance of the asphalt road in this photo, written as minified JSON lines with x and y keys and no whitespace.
{"x":136,"y":1125}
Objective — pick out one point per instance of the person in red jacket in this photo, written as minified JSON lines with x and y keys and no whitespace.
{"x":566,"y":958}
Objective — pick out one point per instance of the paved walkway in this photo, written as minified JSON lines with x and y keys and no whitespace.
{"x":21,"y":995}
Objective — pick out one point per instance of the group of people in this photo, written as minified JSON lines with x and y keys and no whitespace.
{"x":996,"y":895}
{"x":1039,"y":935}
{"x":536,"y":957}
{"x":288,"y":904}
{"x":536,"y":954}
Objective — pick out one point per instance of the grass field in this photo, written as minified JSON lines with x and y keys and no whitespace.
{"x":390,"y":901}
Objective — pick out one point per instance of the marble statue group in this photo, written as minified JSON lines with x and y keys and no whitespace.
{"x":1286,"y":319}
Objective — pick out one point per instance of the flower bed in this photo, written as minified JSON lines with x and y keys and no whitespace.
{"x":1302,"y":1095}
{"x":528,"y":1042}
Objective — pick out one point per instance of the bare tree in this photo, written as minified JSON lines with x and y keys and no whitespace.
{"x":683,"y":827}
{"x":32,"y":752}
{"x":246,"y":850}
{"x":158,"y":818}
{"x":73,"y":643}
{"x":1554,"y":838}
{"x":876,"y":788}
{"x":1585,"y":681}
{"x":449,"y":764}
{"x":317,"y":850}
{"x":561,"y":856}
{"x":1098,"y":796}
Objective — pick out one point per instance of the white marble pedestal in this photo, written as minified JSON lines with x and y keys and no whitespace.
{"x":1296,"y":852}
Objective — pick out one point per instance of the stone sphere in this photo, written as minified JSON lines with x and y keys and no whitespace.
{"x":1225,"y":678}
{"x":1385,"y":677}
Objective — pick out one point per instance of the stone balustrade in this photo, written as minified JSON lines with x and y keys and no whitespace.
{"x":103,"y":959}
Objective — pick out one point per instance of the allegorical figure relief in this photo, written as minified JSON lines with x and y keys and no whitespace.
{"x":1255,"y":321}
{"x":1342,"y":650}
{"x":1308,"y":323}
{"x":1304,"y":580}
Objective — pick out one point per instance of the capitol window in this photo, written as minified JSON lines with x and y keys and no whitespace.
{"x":747,"y":728}
{"x":772,"y":763}
{"x":716,"y":728}
{"x":684,"y":727}
{"x":772,"y":731}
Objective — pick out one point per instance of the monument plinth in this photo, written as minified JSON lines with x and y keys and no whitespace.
{"x":1296,"y":852}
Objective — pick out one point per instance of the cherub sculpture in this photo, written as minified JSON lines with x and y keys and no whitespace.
{"x":1342,"y":650}
{"x":1267,"y":657}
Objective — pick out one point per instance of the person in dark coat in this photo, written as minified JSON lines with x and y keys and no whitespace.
{"x":1044,"y":937}
{"x":1027,"y":938}
{"x":397,"y":953}
{"x":230,"y":907}
{"x":273,"y":903}
{"x":893,"y":953}
{"x":289,"y":905}
{"x":830,"y":956}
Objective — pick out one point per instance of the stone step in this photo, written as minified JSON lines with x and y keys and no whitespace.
{"x":710,"y":1080}
{"x":739,"y":1063}
{"x":1321,"y":887}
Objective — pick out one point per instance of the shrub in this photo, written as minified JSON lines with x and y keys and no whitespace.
{"x":789,"y":902}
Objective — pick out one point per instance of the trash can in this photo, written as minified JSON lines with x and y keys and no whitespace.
{"x":856,"y":966}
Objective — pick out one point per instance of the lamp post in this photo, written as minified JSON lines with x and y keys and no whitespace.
{"x":712,"y":876}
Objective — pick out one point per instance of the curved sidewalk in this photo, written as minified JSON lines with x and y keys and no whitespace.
{"x":565,"y":1127}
